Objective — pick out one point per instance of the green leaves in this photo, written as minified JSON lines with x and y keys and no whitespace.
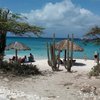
{"x":13,"y":23}
{"x":93,"y":35}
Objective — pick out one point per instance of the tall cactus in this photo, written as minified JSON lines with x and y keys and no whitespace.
{"x":52,"y":59}
{"x":72,"y":49}
{"x":48,"y":51}
{"x":54,"y":55}
{"x":69,"y":62}
{"x":68,"y":55}
{"x":68,"y":49}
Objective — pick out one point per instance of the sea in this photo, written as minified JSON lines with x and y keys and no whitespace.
{"x":39,"y":47}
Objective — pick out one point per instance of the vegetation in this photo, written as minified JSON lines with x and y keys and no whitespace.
{"x":94,"y":36}
{"x":54,"y":60}
{"x":19,"y":69}
{"x":69,"y":56}
{"x":95,"y":71}
{"x":10,"y":22}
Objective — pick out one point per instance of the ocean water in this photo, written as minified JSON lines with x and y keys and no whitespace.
{"x":39,"y":49}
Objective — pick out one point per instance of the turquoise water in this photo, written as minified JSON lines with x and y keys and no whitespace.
{"x":38,"y":47}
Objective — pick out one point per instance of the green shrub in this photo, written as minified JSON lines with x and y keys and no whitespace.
{"x":19,"y":69}
{"x":95,"y":71}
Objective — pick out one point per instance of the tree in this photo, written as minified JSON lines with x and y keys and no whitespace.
{"x":93,"y":35}
{"x":10,"y":22}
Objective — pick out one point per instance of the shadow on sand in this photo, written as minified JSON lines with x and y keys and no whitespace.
{"x":79,"y":64}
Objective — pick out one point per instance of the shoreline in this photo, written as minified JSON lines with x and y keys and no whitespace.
{"x":6,"y":57}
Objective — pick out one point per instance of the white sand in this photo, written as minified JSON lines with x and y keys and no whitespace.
{"x":59,"y":85}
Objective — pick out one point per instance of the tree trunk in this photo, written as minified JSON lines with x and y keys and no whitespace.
{"x":2,"y":43}
{"x":3,"y":18}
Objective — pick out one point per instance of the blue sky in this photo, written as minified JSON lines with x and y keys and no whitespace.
{"x":58,"y":16}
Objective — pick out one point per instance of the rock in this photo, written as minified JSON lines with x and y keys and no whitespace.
{"x":6,"y":79}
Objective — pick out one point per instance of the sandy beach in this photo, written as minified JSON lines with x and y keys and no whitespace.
{"x":51,"y":85}
{"x":34,"y":33}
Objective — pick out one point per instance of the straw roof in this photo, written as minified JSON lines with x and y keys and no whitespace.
{"x":17,"y":46}
{"x":62,"y":45}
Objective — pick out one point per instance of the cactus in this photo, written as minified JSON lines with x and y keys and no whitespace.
{"x":54,"y":55}
{"x":68,"y":63}
{"x":48,"y":51}
{"x":52,"y":59}
{"x":72,"y":50}
{"x":68,"y":60}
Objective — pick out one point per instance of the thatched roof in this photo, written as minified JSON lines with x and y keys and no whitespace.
{"x":17,"y":46}
{"x":62,"y":45}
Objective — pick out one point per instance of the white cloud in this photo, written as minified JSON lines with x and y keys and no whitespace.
{"x":62,"y":18}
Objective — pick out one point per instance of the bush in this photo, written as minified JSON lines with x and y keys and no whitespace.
{"x":19,"y":69}
{"x":95,"y":71}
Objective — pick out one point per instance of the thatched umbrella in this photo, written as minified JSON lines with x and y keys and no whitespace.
{"x":63,"y":44}
{"x":17,"y":46}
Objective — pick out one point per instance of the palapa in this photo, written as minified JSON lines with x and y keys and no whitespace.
{"x":17,"y":46}
{"x":62,"y":45}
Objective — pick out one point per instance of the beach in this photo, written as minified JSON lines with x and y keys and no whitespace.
{"x":49,"y":50}
{"x":58,"y":85}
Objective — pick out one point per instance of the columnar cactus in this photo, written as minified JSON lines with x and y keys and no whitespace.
{"x":68,"y":56}
{"x":69,"y":62}
{"x":52,"y":59}
{"x":48,"y":51}
{"x":72,"y":50}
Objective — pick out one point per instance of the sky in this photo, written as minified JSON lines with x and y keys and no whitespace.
{"x":61,"y":17}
